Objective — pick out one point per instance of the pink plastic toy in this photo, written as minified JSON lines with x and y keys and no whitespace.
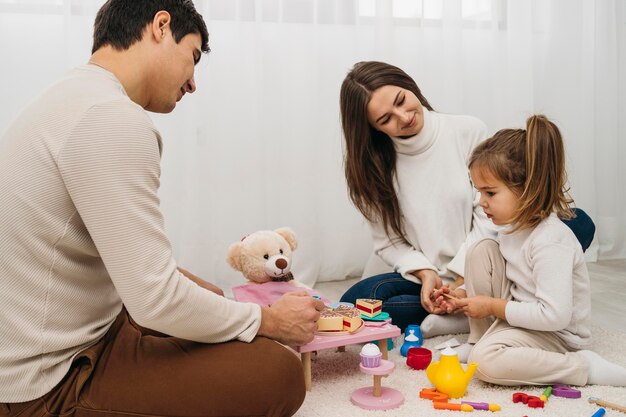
{"x":377,"y":397}
{"x":367,"y":334}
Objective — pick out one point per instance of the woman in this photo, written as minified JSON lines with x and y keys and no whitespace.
{"x":406,"y":169}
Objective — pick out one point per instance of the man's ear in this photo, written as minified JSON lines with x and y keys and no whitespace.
{"x":160,"y":25}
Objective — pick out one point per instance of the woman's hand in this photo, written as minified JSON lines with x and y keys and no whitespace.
{"x":430,"y":282}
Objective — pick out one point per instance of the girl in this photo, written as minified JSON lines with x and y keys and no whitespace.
{"x":528,"y":295}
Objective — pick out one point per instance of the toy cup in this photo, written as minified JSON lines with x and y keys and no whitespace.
{"x":418,"y":357}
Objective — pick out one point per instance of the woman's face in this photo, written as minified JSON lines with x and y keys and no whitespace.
{"x":395,"y":111}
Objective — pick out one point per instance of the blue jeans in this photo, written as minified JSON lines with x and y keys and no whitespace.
{"x":401,"y":297}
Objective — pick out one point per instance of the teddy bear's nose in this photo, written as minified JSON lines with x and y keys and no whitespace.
{"x":281,"y":263}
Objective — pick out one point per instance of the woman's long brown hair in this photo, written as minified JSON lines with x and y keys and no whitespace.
{"x":531,"y":163}
{"x":369,"y":155}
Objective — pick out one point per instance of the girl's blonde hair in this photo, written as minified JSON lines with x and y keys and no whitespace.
{"x":531,"y":163}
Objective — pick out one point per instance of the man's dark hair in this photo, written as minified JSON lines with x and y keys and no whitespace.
{"x":120,"y":23}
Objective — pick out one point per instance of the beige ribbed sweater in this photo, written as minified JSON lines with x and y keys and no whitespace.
{"x":81,"y":233}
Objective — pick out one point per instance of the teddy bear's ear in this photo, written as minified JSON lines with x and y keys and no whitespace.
{"x":289,"y":236}
{"x":234,"y":255}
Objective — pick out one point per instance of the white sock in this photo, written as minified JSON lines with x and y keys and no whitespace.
{"x":437,"y":325}
{"x":601,"y":371}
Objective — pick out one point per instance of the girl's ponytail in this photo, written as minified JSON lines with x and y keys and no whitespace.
{"x":545,"y":188}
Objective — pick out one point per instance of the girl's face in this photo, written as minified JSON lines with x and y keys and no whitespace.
{"x":497,"y":200}
{"x":395,"y":111}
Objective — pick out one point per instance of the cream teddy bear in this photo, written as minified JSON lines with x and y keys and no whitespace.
{"x":264,"y":255}
{"x":264,"y":258}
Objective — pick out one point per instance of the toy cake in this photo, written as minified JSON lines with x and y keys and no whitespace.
{"x":338,"y":319}
{"x":369,"y":307}
{"x":329,"y":320}
{"x":351,"y":317}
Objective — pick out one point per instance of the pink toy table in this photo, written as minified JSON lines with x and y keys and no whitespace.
{"x":377,"y":397}
{"x":268,"y":292}
{"x":367,"y":334}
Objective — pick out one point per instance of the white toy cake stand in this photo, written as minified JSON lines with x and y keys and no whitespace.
{"x":377,"y":397}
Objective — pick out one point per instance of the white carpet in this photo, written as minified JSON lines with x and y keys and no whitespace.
{"x":336,"y":375}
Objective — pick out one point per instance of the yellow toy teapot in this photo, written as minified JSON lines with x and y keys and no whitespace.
{"x":448,"y":376}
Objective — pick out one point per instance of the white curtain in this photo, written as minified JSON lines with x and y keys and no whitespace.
{"x":259,"y":145}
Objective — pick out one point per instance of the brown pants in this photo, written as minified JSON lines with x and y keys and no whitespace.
{"x":135,"y":371}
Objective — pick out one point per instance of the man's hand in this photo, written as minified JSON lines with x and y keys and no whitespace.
{"x":292,"y":319}
{"x":481,"y":306}
{"x":204,"y":284}
{"x":430,"y":281}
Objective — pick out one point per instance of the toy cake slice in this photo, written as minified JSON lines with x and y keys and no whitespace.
{"x":351,"y":317}
{"x":369,"y":307}
{"x":330,"y":321}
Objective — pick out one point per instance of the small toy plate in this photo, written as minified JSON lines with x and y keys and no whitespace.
{"x":340,"y":303}
{"x":340,"y":332}
{"x":381,"y":317}
{"x":369,"y":323}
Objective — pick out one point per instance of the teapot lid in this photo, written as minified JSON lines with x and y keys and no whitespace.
{"x":411,"y":337}
{"x":448,"y":351}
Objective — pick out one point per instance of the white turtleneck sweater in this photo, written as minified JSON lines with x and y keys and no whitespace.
{"x":551,"y":289}
{"x":439,"y":205}
{"x":81,"y":233}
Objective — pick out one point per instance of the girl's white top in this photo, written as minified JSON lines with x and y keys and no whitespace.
{"x":551,"y":290}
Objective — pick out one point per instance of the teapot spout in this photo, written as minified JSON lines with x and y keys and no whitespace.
{"x":469,"y":372}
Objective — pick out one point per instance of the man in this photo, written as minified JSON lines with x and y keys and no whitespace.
{"x":97,"y":317}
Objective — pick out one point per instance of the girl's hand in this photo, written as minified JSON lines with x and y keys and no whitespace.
{"x":430,"y":281}
{"x":481,"y":306}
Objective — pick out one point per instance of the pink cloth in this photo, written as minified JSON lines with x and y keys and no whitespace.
{"x":267,"y":293}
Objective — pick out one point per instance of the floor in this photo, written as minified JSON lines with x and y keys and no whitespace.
{"x":608,"y":293}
